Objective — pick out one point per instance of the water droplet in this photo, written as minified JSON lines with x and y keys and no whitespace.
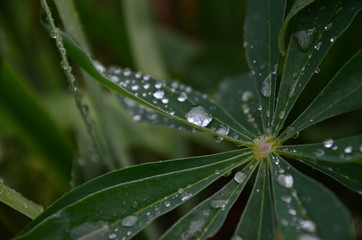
{"x":348,"y":149}
{"x":260,"y":108}
{"x":328,"y":27}
{"x":328,"y":143}
{"x":246,"y":96}
{"x":199,"y":116}
{"x":135,"y":87}
{"x":112,"y":236}
{"x":266,"y":86}
{"x":167,"y":204}
{"x":220,"y":203}
{"x":100,"y":68}
{"x":286,"y":180}
{"x":318,"y":46}
{"x":158,"y":85}
{"x":319,"y":153}
{"x":185,"y":196}
{"x":308,"y":237}
{"x":267,"y":113}
{"x":305,"y":38}
{"x":287,"y":199}
{"x":317,"y":70}
{"x":308,"y":225}
{"x":239,"y":177}
{"x":245,"y":44}
{"x":129,"y":221}
{"x":159,"y":94}
{"x":182,"y":97}
{"x":292,"y":211}
{"x":281,"y":114}
{"x":360,"y":148}
{"x":295,"y":75}
{"x":333,"y":39}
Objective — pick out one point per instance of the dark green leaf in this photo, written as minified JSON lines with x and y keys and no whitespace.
{"x":207,"y":218}
{"x":342,"y":94}
{"x":125,"y":201}
{"x":304,"y":208}
{"x":349,"y":174}
{"x":239,"y":98}
{"x":317,"y":28}
{"x":262,"y":25}
{"x":22,"y":110}
{"x":339,"y":151}
{"x":257,"y":221}
{"x":195,"y":110}
{"x":298,"y":5}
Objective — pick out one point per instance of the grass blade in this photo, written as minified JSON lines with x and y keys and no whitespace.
{"x":339,"y":151}
{"x":308,"y":46}
{"x":261,"y":28}
{"x":207,"y":218}
{"x":342,"y":94}
{"x":305,"y":208}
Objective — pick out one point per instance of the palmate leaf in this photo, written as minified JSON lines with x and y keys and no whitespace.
{"x":304,"y":208}
{"x":238,"y":97}
{"x":349,"y":174}
{"x":123,"y":202}
{"x":317,"y":28}
{"x":262,"y":24}
{"x":296,"y":8}
{"x":339,"y":151}
{"x":342,"y":94}
{"x":207,"y":218}
{"x":199,"y":112}
{"x":257,"y":221}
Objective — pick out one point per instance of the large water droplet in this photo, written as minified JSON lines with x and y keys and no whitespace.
{"x":266,"y":86}
{"x":328,"y":143}
{"x":305,"y":38}
{"x":199,"y":116}
{"x":159,"y":94}
{"x":239,"y":177}
{"x":308,"y":225}
{"x":129,"y":221}
{"x":286,"y":180}
{"x":185,"y":196}
{"x":220,"y":203}
{"x":348,"y":149}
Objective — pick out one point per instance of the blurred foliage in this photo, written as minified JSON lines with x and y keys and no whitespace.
{"x":201,"y":44}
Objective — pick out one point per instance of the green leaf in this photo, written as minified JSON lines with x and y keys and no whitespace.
{"x":304,"y":208}
{"x":207,"y":218}
{"x":339,"y":151}
{"x":239,"y":98}
{"x":262,"y":24}
{"x":298,"y":5}
{"x":196,"y":110}
{"x":15,"y":200}
{"x":123,"y":202}
{"x":21,"y":110}
{"x":349,"y":174}
{"x":257,"y":221}
{"x":342,"y":94}
{"x":317,"y":28}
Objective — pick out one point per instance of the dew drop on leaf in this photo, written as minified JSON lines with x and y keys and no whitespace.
{"x":182,"y":97}
{"x":220,"y":203}
{"x":112,"y":236}
{"x":246,"y":96}
{"x":328,"y":27}
{"x":129,"y":221}
{"x":308,"y":237}
{"x":199,"y":116}
{"x":305,"y":38}
{"x":317,"y":70}
{"x":308,"y":225}
{"x":318,"y":46}
{"x":266,"y":86}
{"x":158,"y":94}
{"x":239,"y":177}
{"x":328,"y":143}
{"x":281,"y":114}
{"x":348,"y":149}
{"x":286,"y":180}
{"x":320,"y":153}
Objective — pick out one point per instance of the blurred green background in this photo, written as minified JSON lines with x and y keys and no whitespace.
{"x":44,"y":145}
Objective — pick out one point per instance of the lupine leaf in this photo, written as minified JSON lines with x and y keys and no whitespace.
{"x":342,"y":94}
{"x":339,"y":151}
{"x":296,"y":8}
{"x":261,"y":28}
{"x":207,"y":218}
{"x":239,"y":98}
{"x":15,"y":200}
{"x":257,"y":221}
{"x":123,"y":202}
{"x":199,"y":112}
{"x":304,"y":208}
{"x":349,"y":174}
{"x":317,"y":28}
